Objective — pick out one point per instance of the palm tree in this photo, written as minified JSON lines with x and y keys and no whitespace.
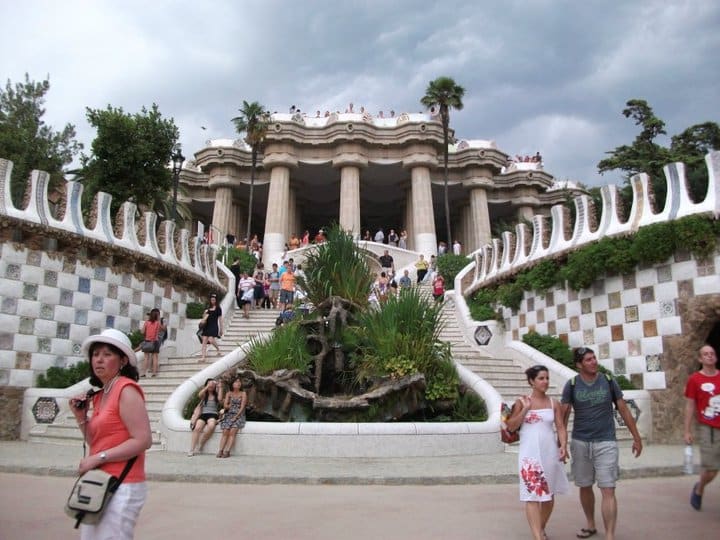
{"x":253,"y":122}
{"x":445,"y":94}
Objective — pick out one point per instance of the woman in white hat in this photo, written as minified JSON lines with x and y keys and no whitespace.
{"x":117,"y":429}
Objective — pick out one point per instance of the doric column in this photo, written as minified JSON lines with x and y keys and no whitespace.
{"x":236,"y":221}
{"x":422,"y":211}
{"x":222,"y":213}
{"x":525,"y":213}
{"x":276,"y":218}
{"x":480,"y":218}
{"x":350,"y":199}
{"x":409,"y":219}
{"x":292,"y":215}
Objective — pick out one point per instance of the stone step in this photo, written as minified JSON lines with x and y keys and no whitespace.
{"x":70,"y":434}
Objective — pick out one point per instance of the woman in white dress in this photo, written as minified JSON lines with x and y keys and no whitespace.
{"x":543,"y":451}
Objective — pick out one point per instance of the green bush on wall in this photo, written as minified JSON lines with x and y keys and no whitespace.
{"x":57,"y":377}
{"x":449,"y":265}
{"x":194,"y":310}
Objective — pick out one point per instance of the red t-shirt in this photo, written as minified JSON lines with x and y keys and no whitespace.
{"x":705,"y":391}
{"x":110,"y":431}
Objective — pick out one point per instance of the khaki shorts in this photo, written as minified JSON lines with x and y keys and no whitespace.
{"x":709,"y":439}
{"x":595,"y":462}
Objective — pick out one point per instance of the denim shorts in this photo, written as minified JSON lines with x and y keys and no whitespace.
{"x":595,"y":462}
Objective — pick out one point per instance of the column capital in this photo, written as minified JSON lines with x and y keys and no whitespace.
{"x":280,"y":158}
{"x":423,"y":159}
{"x":482,"y":182}
{"x":350,"y":159}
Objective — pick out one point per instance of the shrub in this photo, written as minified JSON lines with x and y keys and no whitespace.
{"x":284,"y":349}
{"x":482,"y":305}
{"x":543,"y":276}
{"x":695,"y":233}
{"x":654,"y":243}
{"x":469,"y":407}
{"x":247,"y":260}
{"x":449,"y":266}
{"x":62,"y":377}
{"x":194,"y":310}
{"x":136,"y":337}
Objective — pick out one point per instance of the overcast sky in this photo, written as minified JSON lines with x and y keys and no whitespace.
{"x":540,"y":75}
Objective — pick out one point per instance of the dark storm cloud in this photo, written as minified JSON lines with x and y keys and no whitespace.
{"x":540,"y":75}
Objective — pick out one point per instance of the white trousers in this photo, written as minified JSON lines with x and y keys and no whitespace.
{"x":118,"y":521}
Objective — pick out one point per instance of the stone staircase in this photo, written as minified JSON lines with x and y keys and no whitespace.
{"x":173,"y":372}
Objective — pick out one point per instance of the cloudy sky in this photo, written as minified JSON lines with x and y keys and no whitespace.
{"x":542,"y":75}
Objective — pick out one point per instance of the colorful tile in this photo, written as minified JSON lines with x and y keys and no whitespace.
{"x":629,"y":281}
{"x":34,"y":258}
{"x":550,"y":299}
{"x":631,"y":313}
{"x":601,"y":318}
{"x":47,"y":311}
{"x":100,"y":273}
{"x":705,"y":267}
{"x":551,"y":328}
{"x":653,"y":362}
{"x":112,"y":291}
{"x":44,"y":344}
{"x":23,"y":360}
{"x":664,"y":273}
{"x":530,"y":303}
{"x":647,"y":294}
{"x":588,"y":337}
{"x":9,"y":305}
{"x":515,"y":335}
{"x":66,"y":297}
{"x":616,"y":331}
{"x":30,"y":291}
{"x":681,"y":255}
{"x":12,"y":271}
{"x":521,"y":320}
{"x":97,"y":303}
{"x":63,"y":331}
{"x":614,"y":300}
{"x":27,"y":325}
{"x":585,"y":305}
{"x":574,"y":323}
{"x":149,"y":286}
{"x":619,"y":366}
{"x":51,"y":278}
{"x":667,"y":308}
{"x":604,"y":350}
{"x":137,"y":297}
{"x":84,"y":285}
{"x":81,"y":316}
{"x":634,"y":347}
{"x":572,"y":295}
{"x":650,"y":328}
{"x":561,"y":311}
{"x":686,"y":288}
{"x":540,"y":314}
{"x":564,"y":338}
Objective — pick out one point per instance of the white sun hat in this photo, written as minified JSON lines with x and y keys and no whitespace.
{"x":113,"y":337}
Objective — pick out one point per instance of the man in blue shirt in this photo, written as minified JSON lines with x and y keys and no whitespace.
{"x":594,"y":447}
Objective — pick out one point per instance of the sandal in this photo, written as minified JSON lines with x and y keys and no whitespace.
{"x":586,"y":533}
{"x":226,"y":454}
{"x":219,"y":454}
{"x":190,"y":453}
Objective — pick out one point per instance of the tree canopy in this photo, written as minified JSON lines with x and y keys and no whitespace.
{"x":646,"y":155}
{"x":26,"y":140}
{"x":130,"y":156}
{"x":445,"y":94}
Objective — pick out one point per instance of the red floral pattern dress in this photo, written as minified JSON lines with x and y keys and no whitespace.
{"x":541,"y":472}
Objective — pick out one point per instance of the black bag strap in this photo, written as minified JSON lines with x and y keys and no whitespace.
{"x":123,"y":474}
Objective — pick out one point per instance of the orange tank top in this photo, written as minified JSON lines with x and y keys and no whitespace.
{"x":110,"y":431}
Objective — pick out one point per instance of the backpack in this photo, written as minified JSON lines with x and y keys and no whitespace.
{"x":610,"y":384}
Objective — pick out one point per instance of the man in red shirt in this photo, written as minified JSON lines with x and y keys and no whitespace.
{"x":703,"y":403}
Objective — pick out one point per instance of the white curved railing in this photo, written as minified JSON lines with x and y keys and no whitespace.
{"x":505,"y":257}
{"x":38,"y":212}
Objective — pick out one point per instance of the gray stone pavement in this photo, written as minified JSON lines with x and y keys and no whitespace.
{"x":62,"y":460}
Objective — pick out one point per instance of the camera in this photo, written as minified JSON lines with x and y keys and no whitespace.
{"x":82,"y":403}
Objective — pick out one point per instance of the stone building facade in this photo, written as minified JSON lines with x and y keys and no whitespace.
{"x":364,"y":173}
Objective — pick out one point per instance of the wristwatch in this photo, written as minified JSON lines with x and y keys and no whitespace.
{"x":103,"y":456}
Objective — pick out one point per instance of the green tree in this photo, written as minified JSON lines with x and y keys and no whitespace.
{"x":645,"y":155}
{"x":27,"y":141}
{"x":253,"y":122}
{"x":445,"y":94}
{"x":130,"y":156}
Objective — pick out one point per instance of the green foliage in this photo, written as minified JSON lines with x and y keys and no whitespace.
{"x":136,"y":337}
{"x":449,"y":265}
{"x":655,"y":243}
{"x":510,"y":294}
{"x":190,"y":406}
{"x":194,"y":310}
{"x":27,"y":141}
{"x":469,"y":407}
{"x":336,"y":268}
{"x":247,"y":259}
{"x":482,"y":305}
{"x":284,"y":349}
{"x":130,"y":156}
{"x":645,"y":155}
{"x":551,"y":346}
{"x":697,"y":235}
{"x":543,"y":276}
{"x":57,"y":377}
{"x":558,"y":350}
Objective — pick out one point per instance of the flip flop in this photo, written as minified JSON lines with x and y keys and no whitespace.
{"x":586,"y":533}
{"x":695,"y":499}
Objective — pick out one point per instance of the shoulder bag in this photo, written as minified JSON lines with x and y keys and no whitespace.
{"x":92,"y":493}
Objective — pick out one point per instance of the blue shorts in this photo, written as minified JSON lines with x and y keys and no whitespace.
{"x":286,"y":297}
{"x":595,"y":462}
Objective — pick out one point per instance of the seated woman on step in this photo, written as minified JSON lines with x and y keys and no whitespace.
{"x":205,"y":416}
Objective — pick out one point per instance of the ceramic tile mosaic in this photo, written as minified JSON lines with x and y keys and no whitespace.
{"x":6,"y":341}
{"x":664,"y":273}
{"x":631,"y":313}
{"x":705,"y":267}
{"x":47,"y":311}
{"x":124,"y":309}
{"x":564,"y":338}
{"x":633,"y":347}
{"x":126,"y":280}
{"x":167,"y":291}
{"x":34,"y":258}
{"x":112,"y":291}
{"x":550,"y":299}
{"x":63,"y":331}
{"x":23,"y":360}
{"x":50,"y":278}
{"x":561,"y":311}
{"x":137,"y":297}
{"x":12,"y":271}
{"x":686,"y":289}
{"x":27,"y":325}
{"x":149,"y":286}
{"x":617,"y":332}
{"x":572,"y":295}
{"x":598,"y":287}
{"x":81,"y":316}
{"x":629,"y":281}
{"x":110,"y":321}
{"x":619,"y":366}
{"x":100,"y":273}
{"x":647,"y":294}
{"x":530,"y":302}
{"x":681,"y":255}
{"x":84,"y":285}
{"x":614,"y":300}
{"x":522,"y":319}
{"x":667,"y":308}
{"x":9,"y":305}
{"x":516,"y":335}
{"x":540,"y":316}
{"x":585,"y":305}
{"x":601,"y":318}
{"x":30,"y":291}
{"x":44,"y":345}
{"x":574,"y":324}
{"x":551,"y":328}
{"x":653,"y":362}
{"x":604,"y":350}
{"x":650,"y":328}
{"x":588,"y":337}
{"x":69,"y":265}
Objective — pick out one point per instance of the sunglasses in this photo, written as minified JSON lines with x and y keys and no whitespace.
{"x":582,"y":351}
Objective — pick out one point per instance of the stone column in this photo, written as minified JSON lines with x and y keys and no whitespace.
{"x":525,"y":213}
{"x":235,"y":225}
{"x":480,"y":218}
{"x":350,"y":199}
{"x":222,"y":212}
{"x":409,"y":219}
{"x":276,"y":217}
{"x":422,"y":211}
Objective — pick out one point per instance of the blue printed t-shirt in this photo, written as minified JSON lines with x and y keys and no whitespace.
{"x":593,"y":405}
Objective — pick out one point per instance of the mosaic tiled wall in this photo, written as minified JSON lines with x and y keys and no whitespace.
{"x":623,"y":318}
{"x":50,"y":303}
